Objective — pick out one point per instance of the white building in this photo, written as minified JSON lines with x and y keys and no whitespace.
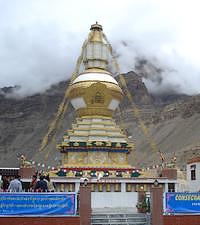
{"x":193,"y":174}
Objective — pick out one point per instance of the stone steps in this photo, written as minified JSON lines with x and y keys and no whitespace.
{"x":118,"y":219}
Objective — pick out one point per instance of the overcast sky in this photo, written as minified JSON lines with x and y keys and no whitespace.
{"x":40,"y":40}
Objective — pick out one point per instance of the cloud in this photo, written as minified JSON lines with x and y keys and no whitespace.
{"x":40,"y":40}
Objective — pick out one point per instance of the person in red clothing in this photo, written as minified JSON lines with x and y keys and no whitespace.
{"x":33,"y":183}
{"x":5,"y":183}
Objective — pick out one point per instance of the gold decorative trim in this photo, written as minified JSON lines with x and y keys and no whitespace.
{"x":80,"y":88}
{"x":114,"y":166}
{"x":108,"y":118}
{"x":89,"y":128}
{"x":101,"y":135}
{"x":110,"y":123}
{"x":94,"y":111}
{"x":96,"y":70}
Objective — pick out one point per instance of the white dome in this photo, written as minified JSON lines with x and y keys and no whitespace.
{"x":95,"y":77}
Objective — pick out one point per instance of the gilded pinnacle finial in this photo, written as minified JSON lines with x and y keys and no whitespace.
{"x":96,"y":26}
{"x":95,"y":51}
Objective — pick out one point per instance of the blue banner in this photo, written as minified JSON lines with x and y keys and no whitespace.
{"x":41,"y":204}
{"x":181,"y":202}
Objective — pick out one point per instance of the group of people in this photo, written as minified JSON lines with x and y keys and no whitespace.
{"x":11,"y":184}
{"x":44,"y":184}
{"x":14,"y":184}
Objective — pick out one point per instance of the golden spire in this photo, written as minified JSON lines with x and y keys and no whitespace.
{"x":96,"y":51}
{"x":96,"y":33}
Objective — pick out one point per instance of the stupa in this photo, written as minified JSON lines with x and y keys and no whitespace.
{"x":95,"y":142}
{"x":96,"y":147}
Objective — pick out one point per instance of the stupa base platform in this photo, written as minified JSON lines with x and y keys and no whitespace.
{"x":95,"y":171}
{"x":99,"y":168}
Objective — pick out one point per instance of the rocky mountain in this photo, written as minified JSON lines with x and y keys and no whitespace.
{"x":172,"y":121}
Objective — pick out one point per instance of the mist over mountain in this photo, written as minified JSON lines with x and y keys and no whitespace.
{"x":172,"y":119}
{"x":41,"y":40}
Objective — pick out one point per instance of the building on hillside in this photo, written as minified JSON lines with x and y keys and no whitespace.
{"x":193,"y":174}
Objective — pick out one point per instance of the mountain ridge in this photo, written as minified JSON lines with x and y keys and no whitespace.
{"x":172,"y":120}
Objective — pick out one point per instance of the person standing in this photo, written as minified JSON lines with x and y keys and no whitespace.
{"x":33,"y":183}
{"x":15,"y":185}
{"x":1,"y":184}
{"x":41,"y":185}
{"x":5,"y":184}
{"x":49,"y":184}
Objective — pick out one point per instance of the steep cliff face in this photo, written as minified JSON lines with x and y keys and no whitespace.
{"x":173,"y":121}
{"x":24,"y":122}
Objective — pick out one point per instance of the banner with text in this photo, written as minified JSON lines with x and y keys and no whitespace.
{"x":37,"y":204}
{"x":181,"y":202}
